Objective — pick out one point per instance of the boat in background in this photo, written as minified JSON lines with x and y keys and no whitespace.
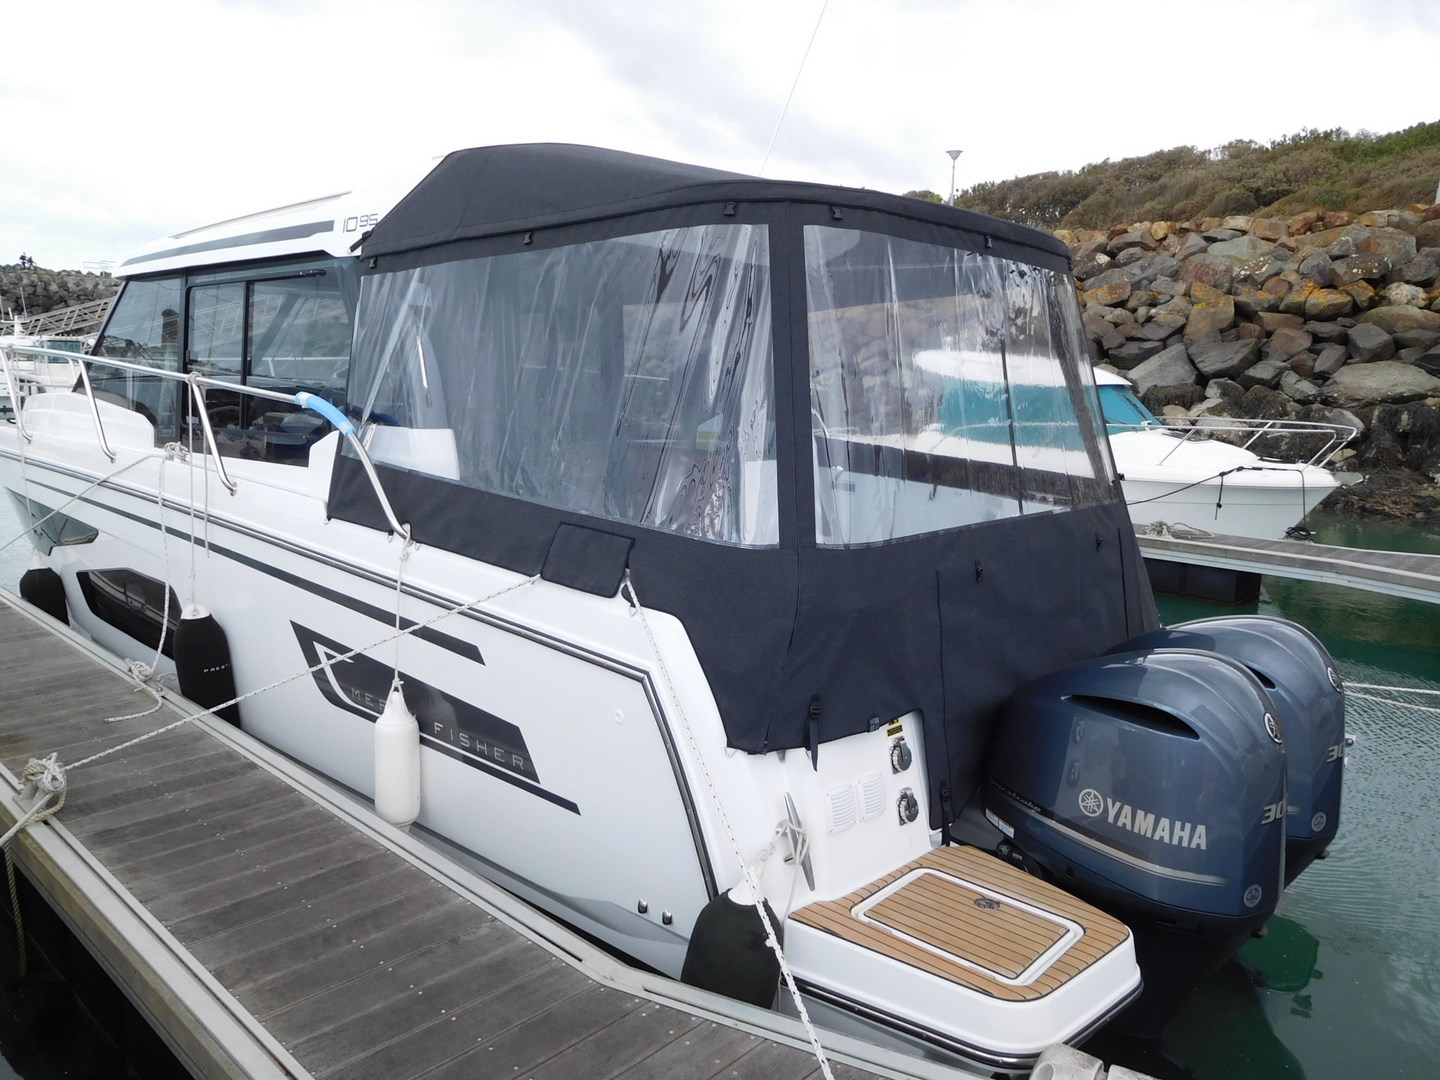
{"x":45,"y":337}
{"x":725,"y":520}
{"x":1207,"y":473}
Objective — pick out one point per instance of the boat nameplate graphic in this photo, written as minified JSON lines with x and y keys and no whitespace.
{"x":360,"y":685}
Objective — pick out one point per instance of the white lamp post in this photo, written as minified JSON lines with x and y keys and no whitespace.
{"x":954,"y":157}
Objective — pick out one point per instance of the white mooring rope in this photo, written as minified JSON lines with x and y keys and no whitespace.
{"x":757,"y":897}
{"x":45,"y":781}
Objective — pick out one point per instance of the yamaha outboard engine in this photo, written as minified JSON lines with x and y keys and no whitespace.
{"x":1151,"y":784}
{"x":1309,"y":700}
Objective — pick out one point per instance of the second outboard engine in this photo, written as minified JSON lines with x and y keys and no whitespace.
{"x":1304,"y":685}
{"x":1151,"y":784}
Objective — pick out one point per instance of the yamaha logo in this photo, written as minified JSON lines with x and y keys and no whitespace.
{"x":1335,"y":680}
{"x":1144,"y":823}
{"x":1253,"y":895}
{"x":1317,"y":823}
{"x":1272,"y":726}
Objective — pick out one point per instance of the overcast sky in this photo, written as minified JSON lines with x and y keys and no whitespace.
{"x":127,"y":120}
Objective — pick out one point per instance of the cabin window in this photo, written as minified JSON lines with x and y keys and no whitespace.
{"x":627,"y":378}
{"x":284,"y":332}
{"x":143,"y":328}
{"x":134,"y":604}
{"x":948,"y":388}
{"x":279,"y":328}
{"x":1124,"y":411}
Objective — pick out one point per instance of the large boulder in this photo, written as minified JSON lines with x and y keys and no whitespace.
{"x":1328,"y":360}
{"x":1266,"y":373}
{"x":1422,"y":269}
{"x":1224,"y":359}
{"x":1133,"y":353}
{"x":1317,"y":267}
{"x":1261,"y":269}
{"x":1108,"y":294}
{"x":1328,"y":304}
{"x":1209,"y":269}
{"x":1171,"y":367}
{"x":1403,"y":294}
{"x":1396,"y":318}
{"x":1366,"y":267}
{"x":1301,"y":391}
{"x":1242,"y":249}
{"x":1404,"y":436}
{"x":1395,"y":244}
{"x":1383,"y":381}
{"x":1287,"y":342}
{"x":1212,"y":312}
{"x":1369,"y":343}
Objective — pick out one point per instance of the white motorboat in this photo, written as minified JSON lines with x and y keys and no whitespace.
{"x":36,"y":373}
{"x":1208,"y":474}
{"x":722,"y":535}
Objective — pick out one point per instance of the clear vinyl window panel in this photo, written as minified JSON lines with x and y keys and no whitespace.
{"x":948,"y":388}
{"x":627,"y":378}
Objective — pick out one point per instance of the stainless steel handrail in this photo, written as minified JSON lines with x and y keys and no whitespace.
{"x":95,"y":413}
{"x":1199,"y":428}
{"x":197,"y":384}
{"x":198,"y":393}
{"x":6,"y":355}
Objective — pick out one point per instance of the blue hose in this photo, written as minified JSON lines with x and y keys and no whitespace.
{"x":319,"y":405}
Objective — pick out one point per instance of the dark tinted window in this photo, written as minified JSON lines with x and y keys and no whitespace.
{"x":132,"y":603}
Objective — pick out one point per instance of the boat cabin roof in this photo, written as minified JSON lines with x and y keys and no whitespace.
{"x":331,"y":224}
{"x":495,"y":190}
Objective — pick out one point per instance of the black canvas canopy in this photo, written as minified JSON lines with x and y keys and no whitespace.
{"x":803,"y":642}
{"x":498,"y":190}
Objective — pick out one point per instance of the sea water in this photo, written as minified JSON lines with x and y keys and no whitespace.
{"x":1346,"y":981}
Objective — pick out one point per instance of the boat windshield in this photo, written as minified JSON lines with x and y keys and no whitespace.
{"x":1124,"y":411}
{"x":948,"y":387}
{"x":627,"y":378}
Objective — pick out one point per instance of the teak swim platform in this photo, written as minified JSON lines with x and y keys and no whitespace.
{"x":1020,"y":940}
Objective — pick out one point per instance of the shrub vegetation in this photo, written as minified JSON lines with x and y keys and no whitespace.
{"x":1310,"y":170}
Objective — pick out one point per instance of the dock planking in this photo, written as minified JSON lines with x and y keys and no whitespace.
{"x":1396,"y":573}
{"x":352,"y":960}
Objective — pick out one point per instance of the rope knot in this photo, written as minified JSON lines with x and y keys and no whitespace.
{"x":43,"y":780}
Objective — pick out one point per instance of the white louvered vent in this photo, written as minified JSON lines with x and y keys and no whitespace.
{"x":840,"y":808}
{"x":872,"y":796}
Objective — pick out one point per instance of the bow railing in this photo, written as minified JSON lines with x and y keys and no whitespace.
{"x":197,"y":384}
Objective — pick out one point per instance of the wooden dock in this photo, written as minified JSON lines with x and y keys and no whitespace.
{"x":266,"y":924}
{"x":1416,"y":577}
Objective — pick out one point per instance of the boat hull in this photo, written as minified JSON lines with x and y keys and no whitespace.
{"x":1228,"y":508}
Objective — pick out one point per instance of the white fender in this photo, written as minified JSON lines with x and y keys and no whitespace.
{"x":397,"y":761}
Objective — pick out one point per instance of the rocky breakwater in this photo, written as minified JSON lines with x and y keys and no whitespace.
{"x":1321,"y":317}
{"x":34,"y":292}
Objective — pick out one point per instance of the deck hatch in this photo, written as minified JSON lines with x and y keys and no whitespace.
{"x":966,"y":923}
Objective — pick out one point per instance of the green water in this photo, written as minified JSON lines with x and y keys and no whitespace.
{"x":1345,"y":984}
